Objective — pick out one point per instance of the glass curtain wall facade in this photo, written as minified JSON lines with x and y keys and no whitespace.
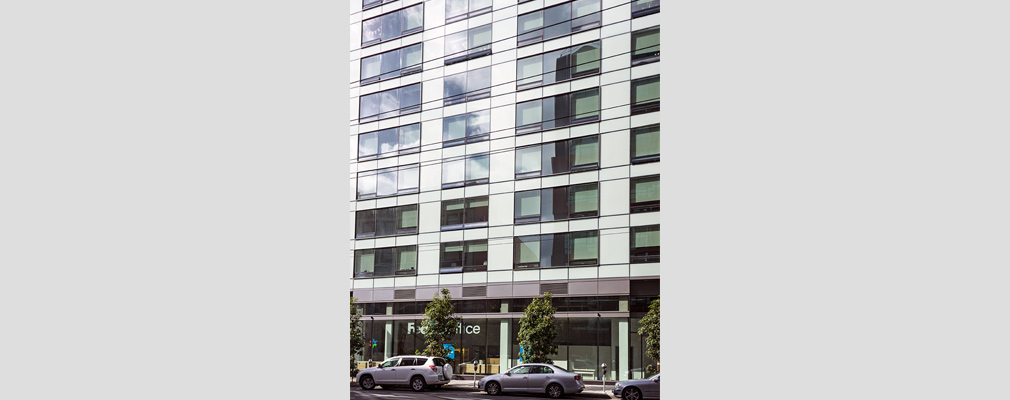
{"x":502,"y":149}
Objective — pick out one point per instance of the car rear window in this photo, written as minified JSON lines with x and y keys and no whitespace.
{"x":438,"y":361}
{"x":559,"y":369}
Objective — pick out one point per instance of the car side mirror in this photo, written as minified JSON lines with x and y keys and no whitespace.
{"x":655,"y":379}
{"x":508,"y":374}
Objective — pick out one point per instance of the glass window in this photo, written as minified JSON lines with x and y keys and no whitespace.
{"x":370,"y":66}
{"x":645,"y":194}
{"x":476,"y":255}
{"x":463,"y":256}
{"x":471,"y":212}
{"x":474,"y":126}
{"x":479,"y":37}
{"x":585,"y":248}
{"x":406,"y":219}
{"x":451,"y":257}
{"x":453,"y":129}
{"x":645,"y":95}
{"x":528,"y":161}
{"x":478,"y":126}
{"x":529,"y":71}
{"x":553,"y":204}
{"x":645,"y":46}
{"x":411,"y":57}
{"x":477,"y":211}
{"x":586,"y":105}
{"x":530,"y":27}
{"x":585,"y":14}
{"x":453,"y":173}
{"x":410,"y":137}
{"x":644,"y":7}
{"x":454,"y":9}
{"x":468,"y":44}
{"x":385,"y":182}
{"x":391,"y":64}
{"x":385,"y":221}
{"x":368,"y":144}
{"x":477,"y":168}
{"x":558,"y":111}
{"x":455,"y":45}
{"x":370,"y":30}
{"x":584,"y":200}
{"x":529,"y":115}
{"x":478,"y":80}
{"x":645,"y":143}
{"x":364,"y":223}
{"x":586,"y":59}
{"x":645,"y":244}
{"x":392,"y":25}
{"x":555,"y":158}
{"x":585,"y":152}
{"x":558,"y":65}
{"x":527,"y":251}
{"x":453,"y":212}
{"x":408,"y":179}
{"x":387,"y":261}
{"x":410,"y":98}
{"x":366,"y":185}
{"x":553,"y":250}
{"x":557,"y":21}
{"x":364,"y":263}
{"x":413,"y":18}
{"x":527,"y":206}
{"x":406,"y":263}
{"x":454,"y":86}
{"x":390,"y":103}
{"x":390,"y":141}
{"x":388,"y":181}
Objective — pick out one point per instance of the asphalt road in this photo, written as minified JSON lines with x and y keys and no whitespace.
{"x":358,"y":393}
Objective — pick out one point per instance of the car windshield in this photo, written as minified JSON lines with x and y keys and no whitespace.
{"x":654,"y":377}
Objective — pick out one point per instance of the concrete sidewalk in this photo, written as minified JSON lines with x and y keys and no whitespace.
{"x":593,"y":388}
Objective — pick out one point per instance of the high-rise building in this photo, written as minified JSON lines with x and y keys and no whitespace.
{"x":502,"y":149}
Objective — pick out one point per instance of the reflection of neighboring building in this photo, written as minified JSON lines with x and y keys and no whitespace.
{"x":503,"y":149}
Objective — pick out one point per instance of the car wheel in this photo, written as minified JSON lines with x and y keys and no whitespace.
{"x":367,"y":382}
{"x":417,"y":383}
{"x":555,"y":391}
{"x":492,"y":388}
{"x":631,"y":394}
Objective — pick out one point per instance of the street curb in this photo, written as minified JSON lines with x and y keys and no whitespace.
{"x":463,"y":388}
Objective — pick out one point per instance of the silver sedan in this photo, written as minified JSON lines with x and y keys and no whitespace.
{"x":534,"y":378}
{"x":638,"y":389}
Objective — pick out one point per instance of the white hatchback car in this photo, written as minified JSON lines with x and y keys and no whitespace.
{"x":418,"y":372}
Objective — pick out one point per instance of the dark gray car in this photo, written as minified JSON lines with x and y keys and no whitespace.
{"x":638,"y":389}
{"x":534,"y":378}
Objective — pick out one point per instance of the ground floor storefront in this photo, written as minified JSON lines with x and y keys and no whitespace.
{"x":591,"y":331}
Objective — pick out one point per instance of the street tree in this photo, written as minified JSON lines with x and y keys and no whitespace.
{"x":649,"y":329}
{"x":357,"y":335}
{"x":439,"y":324}
{"x":537,"y":332}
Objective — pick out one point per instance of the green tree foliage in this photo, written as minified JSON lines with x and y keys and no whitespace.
{"x":537,"y":333}
{"x":439,"y":324}
{"x":649,"y":329}
{"x":357,"y":335}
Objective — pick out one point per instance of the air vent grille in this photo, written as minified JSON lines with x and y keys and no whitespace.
{"x":554,"y":288}
{"x":403,"y":294}
{"x":475,"y":291}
